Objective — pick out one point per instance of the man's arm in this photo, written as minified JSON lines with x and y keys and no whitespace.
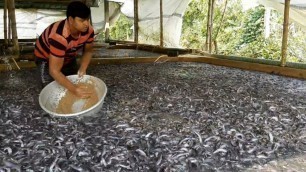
{"x":55,"y":66}
{"x":86,"y":59}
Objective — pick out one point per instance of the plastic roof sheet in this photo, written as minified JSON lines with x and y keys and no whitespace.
{"x":297,"y":9}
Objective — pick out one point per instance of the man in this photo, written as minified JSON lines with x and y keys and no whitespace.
{"x":57,"y":47}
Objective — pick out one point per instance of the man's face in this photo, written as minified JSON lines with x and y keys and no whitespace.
{"x":81,"y":24}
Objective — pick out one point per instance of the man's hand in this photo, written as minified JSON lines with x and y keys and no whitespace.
{"x":83,"y":92}
{"x":81,"y":73}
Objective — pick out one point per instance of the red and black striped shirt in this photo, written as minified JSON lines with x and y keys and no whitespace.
{"x":58,"y":41}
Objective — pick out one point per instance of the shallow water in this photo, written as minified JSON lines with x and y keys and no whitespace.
{"x":158,"y":117}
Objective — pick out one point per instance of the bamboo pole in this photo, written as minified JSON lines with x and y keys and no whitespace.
{"x":285,"y":33}
{"x":15,"y":63}
{"x":211,"y":24}
{"x":207,"y":26}
{"x":12,"y":16}
{"x":5,"y":23}
{"x":106,"y":10}
{"x":208,"y":45}
{"x":218,"y":30}
{"x":136,"y":27}
{"x":9,"y":35}
{"x":161,"y":24}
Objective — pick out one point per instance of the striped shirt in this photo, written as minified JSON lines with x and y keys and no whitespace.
{"x":58,"y":41}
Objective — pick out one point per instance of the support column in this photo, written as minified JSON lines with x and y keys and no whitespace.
{"x":106,"y":18}
{"x":208,"y":45}
{"x":5,"y":23}
{"x":136,"y":27}
{"x":285,"y":32}
{"x":161,"y":24}
{"x":12,"y":16}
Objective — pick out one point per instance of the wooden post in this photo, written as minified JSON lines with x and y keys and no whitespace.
{"x":207,"y":26}
{"x":211,"y":25}
{"x":12,"y":16}
{"x":5,"y":23}
{"x":9,"y":35}
{"x":208,"y":45}
{"x":136,"y":27}
{"x":285,"y":33}
{"x":161,"y":24}
{"x":106,"y":10}
{"x":218,"y":30}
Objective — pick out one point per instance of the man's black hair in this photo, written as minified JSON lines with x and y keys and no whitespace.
{"x":78,"y":9}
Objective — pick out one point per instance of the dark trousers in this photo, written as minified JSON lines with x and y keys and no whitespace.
{"x":43,"y":70}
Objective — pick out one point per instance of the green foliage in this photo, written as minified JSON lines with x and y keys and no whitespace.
{"x":253,"y":25}
{"x":194,"y":25}
{"x":261,"y":48}
{"x":101,"y":36}
{"x":241,"y":33}
{"x":122,"y":29}
{"x":195,"y":22}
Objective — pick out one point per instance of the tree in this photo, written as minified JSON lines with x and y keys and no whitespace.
{"x":240,"y":33}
